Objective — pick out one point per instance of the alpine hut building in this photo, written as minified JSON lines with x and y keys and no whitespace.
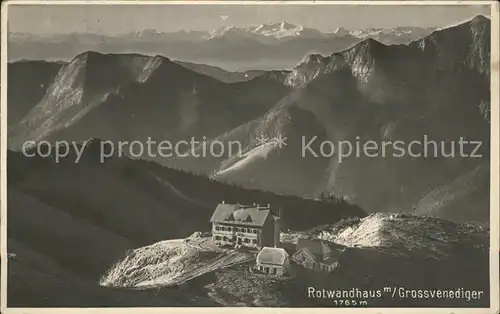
{"x":241,"y":225}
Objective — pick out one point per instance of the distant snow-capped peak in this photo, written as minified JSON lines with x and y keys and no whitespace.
{"x":283,"y":30}
{"x":279,"y":30}
{"x":398,"y":31}
{"x":220,"y":32}
{"x":276,"y":30}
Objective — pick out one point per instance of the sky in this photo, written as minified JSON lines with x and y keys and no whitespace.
{"x":119,"y":19}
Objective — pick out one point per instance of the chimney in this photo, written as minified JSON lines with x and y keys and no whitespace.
{"x":223,"y":202}
{"x":277,"y":228}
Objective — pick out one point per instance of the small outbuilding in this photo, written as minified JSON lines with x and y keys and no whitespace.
{"x":317,"y":255}
{"x":273,"y":261}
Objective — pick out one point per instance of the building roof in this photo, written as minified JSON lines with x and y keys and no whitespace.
{"x":241,"y":215}
{"x":330,"y":260}
{"x":272,"y":255}
{"x":322,"y":251}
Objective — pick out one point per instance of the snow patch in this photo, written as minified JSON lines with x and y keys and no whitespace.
{"x":256,"y":153}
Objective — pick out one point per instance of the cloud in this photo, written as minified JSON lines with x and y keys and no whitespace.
{"x":224,"y":17}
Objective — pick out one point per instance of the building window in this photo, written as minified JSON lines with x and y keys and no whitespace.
{"x":217,"y":228}
{"x":254,"y":231}
{"x":254,"y":241}
{"x":217,"y":238}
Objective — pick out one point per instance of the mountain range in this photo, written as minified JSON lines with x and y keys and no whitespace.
{"x":266,"y":46}
{"x":435,"y":87}
{"x":82,"y":229}
{"x":285,"y":31}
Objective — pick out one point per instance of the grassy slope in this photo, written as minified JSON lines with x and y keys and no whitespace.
{"x":85,"y":217}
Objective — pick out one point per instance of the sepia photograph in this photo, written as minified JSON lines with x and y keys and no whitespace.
{"x":300,"y":155}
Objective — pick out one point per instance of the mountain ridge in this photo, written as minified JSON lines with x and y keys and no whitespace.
{"x":371,"y":91}
{"x":369,"y":47}
{"x":419,"y":222}
{"x":276,"y":30}
{"x":92,"y":79}
{"x":237,"y":49}
{"x":401,"y":92}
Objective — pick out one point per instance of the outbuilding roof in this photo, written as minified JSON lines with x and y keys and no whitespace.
{"x":322,"y":251}
{"x":272,"y":256}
